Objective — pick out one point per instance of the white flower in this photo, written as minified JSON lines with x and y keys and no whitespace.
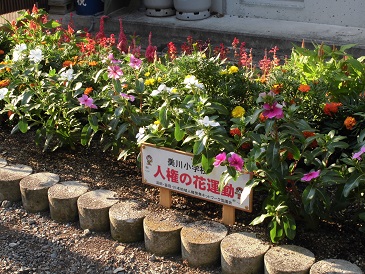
{"x":68,"y":74}
{"x":160,"y":89}
{"x":199,"y":133}
{"x":155,"y":92}
{"x":207,"y":122}
{"x":36,"y":55}
{"x":18,"y":52}
{"x":140,"y":135}
{"x":3,"y":92}
{"x":190,"y":81}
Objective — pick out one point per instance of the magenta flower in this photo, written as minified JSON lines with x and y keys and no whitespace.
{"x":236,"y":161}
{"x":127,"y":96}
{"x":273,"y":110}
{"x":114,"y":72}
{"x":87,"y":101}
{"x":220,"y":158}
{"x":358,"y":154}
{"x":135,"y":62}
{"x":310,"y":176}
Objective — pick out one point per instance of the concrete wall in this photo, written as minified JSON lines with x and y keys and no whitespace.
{"x":334,"y":12}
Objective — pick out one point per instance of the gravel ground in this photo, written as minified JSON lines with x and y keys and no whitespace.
{"x":34,"y":243}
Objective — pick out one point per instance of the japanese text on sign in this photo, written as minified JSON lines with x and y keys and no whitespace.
{"x":174,"y":170}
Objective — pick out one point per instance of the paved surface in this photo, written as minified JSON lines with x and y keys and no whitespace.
{"x":257,"y":33}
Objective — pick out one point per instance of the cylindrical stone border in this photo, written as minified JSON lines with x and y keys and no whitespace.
{"x":34,"y":190}
{"x":126,"y":221}
{"x":335,"y":266}
{"x":242,"y":253}
{"x":288,"y":259}
{"x":10,"y":177}
{"x":62,"y":200}
{"x":200,"y":242}
{"x":94,"y":208}
{"x":162,"y":233}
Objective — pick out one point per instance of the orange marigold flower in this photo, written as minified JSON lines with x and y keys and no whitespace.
{"x":331,"y":108}
{"x":262,"y":117}
{"x":67,"y":63}
{"x":235,"y":131}
{"x":304,"y":88}
{"x":349,"y":122}
{"x":1,"y":52}
{"x":88,"y":90}
{"x":308,"y":134}
{"x":4,"y":83}
{"x":93,"y":63}
{"x":277,"y":88}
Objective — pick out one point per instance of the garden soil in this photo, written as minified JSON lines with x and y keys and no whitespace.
{"x":34,"y":243}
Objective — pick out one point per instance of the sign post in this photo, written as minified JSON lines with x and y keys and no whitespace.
{"x":173,"y":170}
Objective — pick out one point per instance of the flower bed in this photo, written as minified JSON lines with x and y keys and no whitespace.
{"x":296,"y":124}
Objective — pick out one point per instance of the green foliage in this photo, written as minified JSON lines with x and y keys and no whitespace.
{"x":296,"y":126}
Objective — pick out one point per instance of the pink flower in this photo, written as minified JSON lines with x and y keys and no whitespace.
{"x":236,"y":161}
{"x":358,"y":154}
{"x":220,"y":158}
{"x":273,"y":110}
{"x":114,"y":72}
{"x":135,"y":62}
{"x":310,"y":176}
{"x":87,"y":101}
{"x":127,"y":96}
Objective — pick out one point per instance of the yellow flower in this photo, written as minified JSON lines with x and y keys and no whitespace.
{"x":147,"y":74}
{"x":223,"y":72}
{"x":159,"y":79}
{"x":232,"y":70}
{"x":150,"y":82}
{"x":174,"y":90}
{"x":238,"y":112}
{"x":157,"y":122}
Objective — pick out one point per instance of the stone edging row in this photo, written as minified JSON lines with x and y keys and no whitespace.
{"x":200,"y":243}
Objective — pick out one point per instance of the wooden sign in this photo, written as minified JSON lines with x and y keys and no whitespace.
{"x":173,"y":170}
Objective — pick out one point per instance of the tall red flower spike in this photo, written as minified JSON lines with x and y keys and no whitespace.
{"x":150,"y":50}
{"x":122,"y":39}
{"x":101,"y":34}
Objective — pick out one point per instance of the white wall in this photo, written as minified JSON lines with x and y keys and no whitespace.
{"x":334,"y":12}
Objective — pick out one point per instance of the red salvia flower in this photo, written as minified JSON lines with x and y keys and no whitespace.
{"x":35,"y":9}
{"x":101,"y":34}
{"x":172,"y":51}
{"x":150,"y":50}
{"x":122,"y":39}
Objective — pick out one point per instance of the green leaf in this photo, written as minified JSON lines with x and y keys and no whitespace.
{"x":86,"y":134}
{"x":207,"y":163}
{"x":221,"y":109}
{"x":94,"y":122}
{"x":26,"y":97}
{"x":308,"y":198}
{"x":121,"y":129}
{"x":353,"y":182}
{"x":163,"y":117}
{"x":289,"y":226}
{"x":199,"y":146}
{"x":178,"y":133}
{"x":260,"y":219}
{"x":272,"y":154}
{"x":23,"y":125}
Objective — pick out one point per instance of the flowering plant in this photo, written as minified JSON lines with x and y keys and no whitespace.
{"x":297,"y":125}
